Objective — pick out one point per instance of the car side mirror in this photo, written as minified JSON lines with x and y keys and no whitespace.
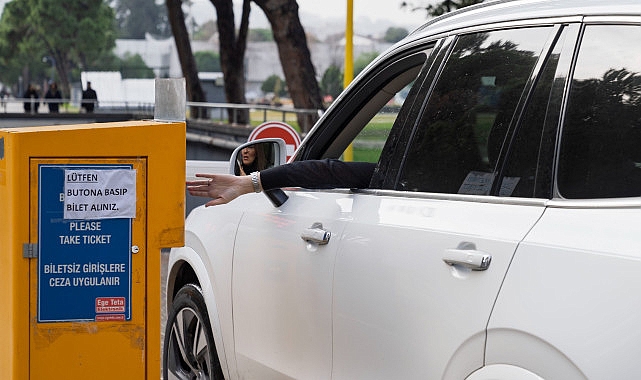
{"x":260,"y":155}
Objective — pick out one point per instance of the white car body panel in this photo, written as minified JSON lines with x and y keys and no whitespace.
{"x":223,"y":341}
{"x":210,"y":234}
{"x":399,"y":310}
{"x":572,"y":288}
{"x":282,"y":290}
{"x":502,"y":371}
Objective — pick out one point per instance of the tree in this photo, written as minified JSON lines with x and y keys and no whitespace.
{"x":232,"y":54}
{"x":332,"y":81}
{"x":16,"y":59}
{"x":195,"y":92}
{"x":133,"y":66}
{"x":71,"y":34}
{"x":363,"y":60}
{"x":207,"y":61}
{"x":440,"y":8}
{"x":135,"y":18}
{"x":130,"y":66}
{"x":294,"y":56}
{"x":274,"y":84}
{"x":393,"y":35}
{"x":290,"y":39}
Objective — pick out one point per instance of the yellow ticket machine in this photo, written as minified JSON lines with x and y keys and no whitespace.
{"x":84,"y":213}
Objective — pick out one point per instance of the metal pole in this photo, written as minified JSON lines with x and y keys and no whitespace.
{"x":348,"y":75}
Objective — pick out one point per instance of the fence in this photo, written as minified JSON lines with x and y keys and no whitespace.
{"x":217,"y":111}
{"x":39,"y":105}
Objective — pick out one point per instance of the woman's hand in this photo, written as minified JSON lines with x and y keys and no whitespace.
{"x":222,"y":188}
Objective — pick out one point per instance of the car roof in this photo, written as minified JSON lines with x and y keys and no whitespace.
{"x":514,"y":10}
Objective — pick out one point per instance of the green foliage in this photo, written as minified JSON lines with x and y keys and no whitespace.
{"x":332,"y":81}
{"x":207,"y":61}
{"x":75,"y":33}
{"x":93,"y":35}
{"x":109,"y":62}
{"x":363,"y":60}
{"x":133,"y":66}
{"x":260,"y":35}
{"x":395,"y":34}
{"x":135,"y":18}
{"x":130,"y":66}
{"x":274,"y":84}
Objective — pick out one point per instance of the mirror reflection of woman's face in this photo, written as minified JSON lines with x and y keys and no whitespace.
{"x":248,"y":155}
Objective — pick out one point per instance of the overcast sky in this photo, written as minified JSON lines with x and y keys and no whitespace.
{"x":328,"y":16}
{"x":323,"y":17}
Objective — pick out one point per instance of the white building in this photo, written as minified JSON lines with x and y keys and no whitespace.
{"x":261,"y":58}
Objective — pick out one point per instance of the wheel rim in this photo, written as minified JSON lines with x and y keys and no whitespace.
{"x":188,"y":351}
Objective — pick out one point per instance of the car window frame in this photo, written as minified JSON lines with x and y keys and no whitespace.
{"x":565,"y":41}
{"x":396,"y":159}
{"x":558,"y":200}
{"x":336,"y":130}
{"x":394,"y":150}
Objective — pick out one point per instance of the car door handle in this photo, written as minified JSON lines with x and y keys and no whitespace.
{"x":467,"y":256}
{"x":316,"y":234}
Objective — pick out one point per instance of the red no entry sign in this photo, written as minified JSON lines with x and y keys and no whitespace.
{"x":277,"y":129}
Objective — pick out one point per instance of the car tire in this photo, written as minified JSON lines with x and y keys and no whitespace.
{"x":189,"y":348}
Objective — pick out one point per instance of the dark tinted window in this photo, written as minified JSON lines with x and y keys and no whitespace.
{"x":461,"y":132}
{"x":527,"y":170}
{"x":600,"y":153}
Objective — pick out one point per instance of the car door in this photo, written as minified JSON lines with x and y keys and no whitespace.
{"x":570,"y":297}
{"x":282,"y":284}
{"x":421,"y":263}
{"x":282,"y":287}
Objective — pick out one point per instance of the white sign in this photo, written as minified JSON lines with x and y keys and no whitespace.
{"x":99,"y":194}
{"x":477,"y":183}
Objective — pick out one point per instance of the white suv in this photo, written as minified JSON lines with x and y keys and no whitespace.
{"x":500,"y":237}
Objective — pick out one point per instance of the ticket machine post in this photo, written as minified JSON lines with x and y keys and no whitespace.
{"x":84,"y":213}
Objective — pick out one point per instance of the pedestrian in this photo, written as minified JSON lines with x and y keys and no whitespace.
{"x":54,"y":94}
{"x":4,"y":94}
{"x":32,"y":99}
{"x":89,"y":98}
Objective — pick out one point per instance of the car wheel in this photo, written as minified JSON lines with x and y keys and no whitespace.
{"x":189,"y":349}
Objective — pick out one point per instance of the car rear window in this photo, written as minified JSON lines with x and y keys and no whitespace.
{"x":600,"y":155}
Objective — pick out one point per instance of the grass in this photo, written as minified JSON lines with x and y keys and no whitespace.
{"x":369,"y":143}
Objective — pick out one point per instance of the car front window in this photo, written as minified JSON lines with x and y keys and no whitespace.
{"x":382,"y":110}
{"x":368,"y":145}
{"x":460,"y":134}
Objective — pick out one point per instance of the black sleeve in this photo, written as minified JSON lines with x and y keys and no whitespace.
{"x":318,"y":174}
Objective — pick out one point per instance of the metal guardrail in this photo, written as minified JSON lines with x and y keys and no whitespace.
{"x":218,"y":110}
{"x":223,"y":107}
{"x":17,"y":105}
